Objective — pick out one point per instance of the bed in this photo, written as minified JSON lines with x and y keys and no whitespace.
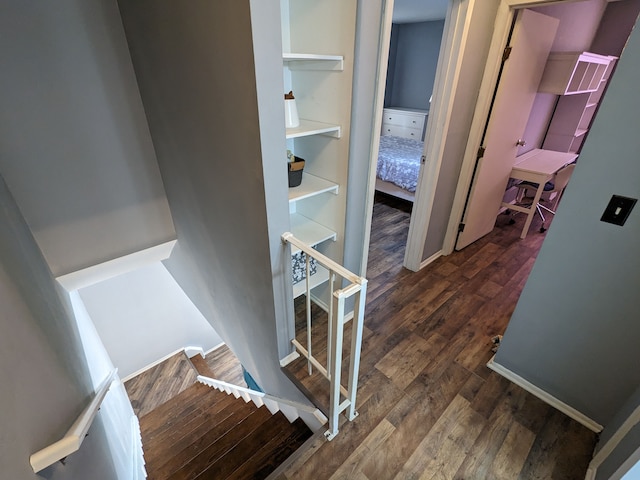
{"x":398,"y":166}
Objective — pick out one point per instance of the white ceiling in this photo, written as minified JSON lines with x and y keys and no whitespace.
{"x":407,"y":11}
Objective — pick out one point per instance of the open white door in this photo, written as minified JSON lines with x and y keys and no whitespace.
{"x":531,"y":42}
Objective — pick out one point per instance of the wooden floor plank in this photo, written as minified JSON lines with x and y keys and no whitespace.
{"x":428,"y":405}
{"x":428,"y":338}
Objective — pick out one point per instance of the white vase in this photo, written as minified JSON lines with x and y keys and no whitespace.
{"x":291,"y":119}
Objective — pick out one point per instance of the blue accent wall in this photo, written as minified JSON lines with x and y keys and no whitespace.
{"x":413,"y":57}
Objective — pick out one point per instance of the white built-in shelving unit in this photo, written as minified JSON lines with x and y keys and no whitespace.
{"x":318,"y":39}
{"x":580,"y":79}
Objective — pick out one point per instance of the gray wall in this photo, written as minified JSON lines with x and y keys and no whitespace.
{"x":221,"y":163}
{"x":413,"y":58}
{"x":44,"y":376}
{"x":575,"y":330}
{"x":76,"y":150}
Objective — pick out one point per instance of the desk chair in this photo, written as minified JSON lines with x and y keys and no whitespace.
{"x":552,"y":192}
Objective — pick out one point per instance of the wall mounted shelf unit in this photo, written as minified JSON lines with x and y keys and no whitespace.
{"x":310,"y":127}
{"x":321,"y":83}
{"x":573,"y":73}
{"x":574,"y":113}
{"x":313,"y":61}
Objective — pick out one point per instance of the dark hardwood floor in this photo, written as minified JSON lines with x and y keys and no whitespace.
{"x":429,"y":408}
{"x":190,"y":430}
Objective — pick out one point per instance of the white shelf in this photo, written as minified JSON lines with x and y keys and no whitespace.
{"x":321,"y":276}
{"x":309,"y":232}
{"x":313,"y":61}
{"x":311,"y":186}
{"x":310,"y":127}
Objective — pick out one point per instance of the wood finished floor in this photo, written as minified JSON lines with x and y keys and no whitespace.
{"x":429,"y":408}
{"x":159,"y":384}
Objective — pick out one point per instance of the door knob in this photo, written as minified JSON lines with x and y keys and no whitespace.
{"x":521,"y":143}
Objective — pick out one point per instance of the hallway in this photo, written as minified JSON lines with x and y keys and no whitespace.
{"x":428,"y":405}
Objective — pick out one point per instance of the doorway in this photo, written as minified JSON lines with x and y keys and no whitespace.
{"x":416,"y":31}
{"x":581,"y":29}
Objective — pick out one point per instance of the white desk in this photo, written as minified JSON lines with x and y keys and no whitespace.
{"x":537,"y":166}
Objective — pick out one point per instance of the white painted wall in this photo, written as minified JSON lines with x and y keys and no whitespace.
{"x":116,"y":411}
{"x":76,"y":149}
{"x":144,"y":315}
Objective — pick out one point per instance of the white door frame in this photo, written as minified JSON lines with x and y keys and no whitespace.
{"x":454,"y":39}
{"x":455,"y":33}
{"x":504,"y":18}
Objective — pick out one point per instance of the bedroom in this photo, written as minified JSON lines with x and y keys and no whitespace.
{"x":413,"y":57}
{"x":435,"y":235}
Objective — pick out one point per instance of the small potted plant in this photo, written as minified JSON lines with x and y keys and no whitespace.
{"x":296,"y":165}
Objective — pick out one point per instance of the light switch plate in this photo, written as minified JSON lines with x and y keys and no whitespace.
{"x":618,"y":210}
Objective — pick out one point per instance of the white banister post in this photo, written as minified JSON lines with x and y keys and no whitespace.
{"x":308,"y":305}
{"x":336,"y":362}
{"x":332,"y":281}
{"x":356,"y":345}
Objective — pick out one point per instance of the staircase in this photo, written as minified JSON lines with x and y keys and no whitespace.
{"x":203,"y":433}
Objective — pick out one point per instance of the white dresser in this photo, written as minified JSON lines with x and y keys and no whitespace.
{"x":404,"y":122}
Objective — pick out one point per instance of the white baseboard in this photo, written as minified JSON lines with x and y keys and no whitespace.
{"x":289,"y":358}
{"x":196,"y":350}
{"x":193,"y":351}
{"x":545,"y":396}
{"x":221,"y":344}
{"x":431,"y":259}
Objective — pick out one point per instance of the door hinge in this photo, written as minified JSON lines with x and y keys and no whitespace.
{"x":506,"y":53}
{"x":423,"y":159}
{"x":481,"y":151}
{"x":461,"y":227}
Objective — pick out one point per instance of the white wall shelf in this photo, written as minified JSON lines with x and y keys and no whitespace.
{"x":573,"y":73}
{"x":310,"y":232}
{"x":321,"y":276}
{"x":310,"y":127}
{"x":312,"y":61}
{"x":574,"y":112}
{"x":310,"y":187}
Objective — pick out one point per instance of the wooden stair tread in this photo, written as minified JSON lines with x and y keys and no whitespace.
{"x":220,"y":445}
{"x":202,"y":367}
{"x":190,"y":395}
{"x":193,"y":428}
{"x":273,"y":453}
{"x":203,"y":437}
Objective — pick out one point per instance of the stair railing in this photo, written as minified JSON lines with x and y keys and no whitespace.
{"x":311,"y":416}
{"x":72,"y":440}
{"x":356,"y":288}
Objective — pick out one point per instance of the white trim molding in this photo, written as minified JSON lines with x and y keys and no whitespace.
{"x":544,"y":396}
{"x":127,"y":263}
{"x":603,"y":453}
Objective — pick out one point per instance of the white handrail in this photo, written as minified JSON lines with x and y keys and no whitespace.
{"x":357,"y":288}
{"x":75,"y":435}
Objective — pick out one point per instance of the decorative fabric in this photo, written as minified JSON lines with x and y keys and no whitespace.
{"x":299,"y":261}
{"x":399,"y":161}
